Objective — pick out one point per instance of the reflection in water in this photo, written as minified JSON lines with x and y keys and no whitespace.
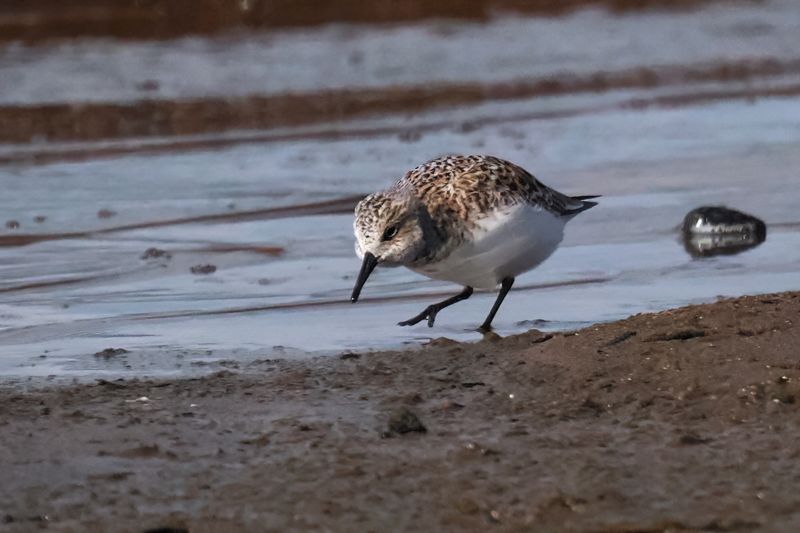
{"x":718,"y":230}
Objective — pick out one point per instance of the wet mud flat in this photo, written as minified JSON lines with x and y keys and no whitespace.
{"x":686,"y":419}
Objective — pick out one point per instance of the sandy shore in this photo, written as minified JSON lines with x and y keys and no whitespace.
{"x":681,"y":420}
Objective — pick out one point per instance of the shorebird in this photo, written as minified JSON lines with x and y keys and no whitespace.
{"x":475,"y":220}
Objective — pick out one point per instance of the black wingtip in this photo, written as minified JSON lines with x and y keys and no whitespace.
{"x":584,"y":204}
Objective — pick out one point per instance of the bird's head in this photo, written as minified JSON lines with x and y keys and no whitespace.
{"x":391,"y":229}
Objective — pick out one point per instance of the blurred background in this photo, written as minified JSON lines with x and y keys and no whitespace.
{"x":178,"y":176}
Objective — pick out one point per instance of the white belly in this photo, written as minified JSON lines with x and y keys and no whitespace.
{"x":506,"y":244}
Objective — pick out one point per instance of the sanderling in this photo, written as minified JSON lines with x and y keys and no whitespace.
{"x":475,"y":220}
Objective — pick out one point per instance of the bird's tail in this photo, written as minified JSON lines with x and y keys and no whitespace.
{"x":582,"y":204}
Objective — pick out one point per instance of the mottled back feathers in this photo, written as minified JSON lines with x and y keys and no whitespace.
{"x":472,"y":185}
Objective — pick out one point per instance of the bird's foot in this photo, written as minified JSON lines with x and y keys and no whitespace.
{"x":429,"y":313}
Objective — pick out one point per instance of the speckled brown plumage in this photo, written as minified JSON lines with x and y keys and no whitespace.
{"x":470,"y":185}
{"x":457,"y":191}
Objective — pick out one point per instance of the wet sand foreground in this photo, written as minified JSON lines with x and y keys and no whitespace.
{"x":682,"y":420}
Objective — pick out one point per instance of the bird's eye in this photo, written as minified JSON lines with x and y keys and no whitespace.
{"x":389,"y":234}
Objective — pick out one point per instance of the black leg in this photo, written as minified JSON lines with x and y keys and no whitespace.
{"x":505,"y":286}
{"x":431,"y":310}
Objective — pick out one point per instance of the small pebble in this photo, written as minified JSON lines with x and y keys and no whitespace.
{"x":203,"y":269}
{"x":405,"y":421}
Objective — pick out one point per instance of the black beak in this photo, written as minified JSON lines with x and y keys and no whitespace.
{"x":369,"y":264}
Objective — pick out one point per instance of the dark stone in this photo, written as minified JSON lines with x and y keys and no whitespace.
{"x":203,"y":269}
{"x":717,"y":230}
{"x":405,"y":421}
{"x":111,"y":352}
{"x":155,"y":253}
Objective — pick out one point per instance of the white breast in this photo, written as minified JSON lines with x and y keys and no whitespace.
{"x":506,"y":244}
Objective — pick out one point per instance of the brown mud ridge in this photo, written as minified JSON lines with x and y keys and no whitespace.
{"x":146,"y":118}
{"x":35,"y":20}
{"x":47,"y":155}
{"x":683,"y":420}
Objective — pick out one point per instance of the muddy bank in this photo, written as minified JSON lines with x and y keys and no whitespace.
{"x":686,"y":419}
{"x":159,"y":19}
{"x":146,"y":118}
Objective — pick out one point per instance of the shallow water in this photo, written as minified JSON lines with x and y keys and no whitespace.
{"x":379,"y":56}
{"x":283,"y":277}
